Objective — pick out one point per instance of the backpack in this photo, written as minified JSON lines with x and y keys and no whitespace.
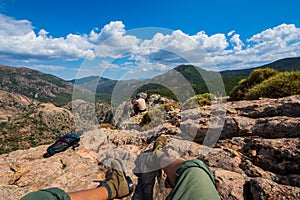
{"x":63,"y":143}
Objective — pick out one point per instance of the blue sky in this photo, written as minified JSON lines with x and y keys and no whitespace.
{"x":60,"y":37}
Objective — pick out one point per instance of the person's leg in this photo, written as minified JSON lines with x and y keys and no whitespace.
{"x":170,"y":169}
{"x":47,"y":194}
{"x":58,"y":194}
{"x":92,"y":194}
{"x":117,"y":186}
{"x":193,"y":180}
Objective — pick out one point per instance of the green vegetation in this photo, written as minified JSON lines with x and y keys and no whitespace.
{"x":53,"y":79}
{"x":156,"y":89}
{"x":24,"y":132}
{"x":103,"y":97}
{"x":256,"y":77}
{"x":3,"y":125}
{"x":170,"y":106}
{"x":36,"y":85}
{"x":196,"y":77}
{"x":198,"y":101}
{"x":61,"y":99}
{"x":281,"y":85}
{"x":153,"y":117}
{"x":267,"y":83}
{"x":230,"y":82}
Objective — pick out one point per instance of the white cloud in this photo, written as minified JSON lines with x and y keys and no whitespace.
{"x":145,"y":70}
{"x":236,"y":42}
{"x":18,"y":40}
{"x":231,"y":33}
{"x":176,"y":47}
{"x":105,"y":64}
{"x":267,"y":46}
{"x":112,"y":41}
{"x":43,"y":33}
{"x":214,"y":43}
{"x":283,"y":32}
{"x":114,"y":28}
{"x":46,"y":67}
{"x":10,"y":26}
{"x":176,"y":42}
{"x":20,"y":43}
{"x":117,"y":46}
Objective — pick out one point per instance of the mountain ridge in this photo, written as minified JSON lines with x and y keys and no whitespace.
{"x":285,"y":64}
{"x":35,"y":84}
{"x":195,"y":76}
{"x":49,"y":88}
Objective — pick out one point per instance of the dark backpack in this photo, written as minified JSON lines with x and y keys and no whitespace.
{"x":63,"y":143}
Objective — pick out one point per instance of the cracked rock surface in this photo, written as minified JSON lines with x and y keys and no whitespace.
{"x":257,"y":155}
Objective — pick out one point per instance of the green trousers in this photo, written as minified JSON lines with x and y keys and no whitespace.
{"x":47,"y":194}
{"x":193,"y":181}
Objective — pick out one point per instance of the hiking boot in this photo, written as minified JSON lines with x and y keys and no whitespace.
{"x":119,"y":184}
{"x":159,"y":144}
{"x":149,"y":161}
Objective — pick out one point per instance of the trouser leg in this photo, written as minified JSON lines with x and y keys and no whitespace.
{"x":47,"y":194}
{"x":193,"y":180}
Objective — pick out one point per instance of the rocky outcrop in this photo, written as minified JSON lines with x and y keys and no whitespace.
{"x":281,"y":156}
{"x":267,"y":119}
{"x":40,"y":124}
{"x":159,"y":110}
{"x":13,"y":105}
{"x":266,"y":189}
{"x":52,"y":116}
{"x":255,"y":157}
{"x":23,"y":171}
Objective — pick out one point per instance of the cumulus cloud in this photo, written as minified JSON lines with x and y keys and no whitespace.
{"x":272,"y":44}
{"x":114,"y":28}
{"x":176,"y":47}
{"x":177,"y":42}
{"x":18,"y":39}
{"x":117,"y":46}
{"x":236,"y":42}
{"x":19,"y":42}
{"x":283,"y":32}
{"x":214,"y":43}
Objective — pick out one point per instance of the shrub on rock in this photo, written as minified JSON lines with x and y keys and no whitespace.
{"x":281,"y":85}
{"x":198,"y":101}
{"x":256,"y":77}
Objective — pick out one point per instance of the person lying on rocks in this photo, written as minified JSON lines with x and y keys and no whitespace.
{"x":190,"y":180}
